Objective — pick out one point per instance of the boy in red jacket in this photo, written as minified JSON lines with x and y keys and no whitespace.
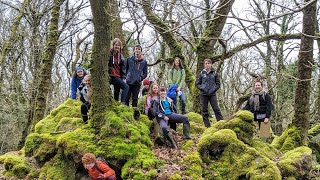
{"x":97,"y":169}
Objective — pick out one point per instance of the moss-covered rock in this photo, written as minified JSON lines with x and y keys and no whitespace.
{"x":69,"y":109}
{"x":59,"y":167}
{"x":193,"y":164}
{"x":15,"y":164}
{"x":288,"y":140}
{"x":40,"y":146}
{"x":241,"y":123}
{"x":296,"y":163}
{"x":195,"y":117}
{"x":224,"y":153}
{"x":265,"y":148}
{"x":314,"y":143}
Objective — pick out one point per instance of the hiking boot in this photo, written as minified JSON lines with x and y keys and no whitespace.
{"x":186,"y":131}
{"x":171,"y":140}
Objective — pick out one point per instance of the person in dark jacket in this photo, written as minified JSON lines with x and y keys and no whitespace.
{"x":165,"y":112}
{"x":117,"y":71}
{"x":208,"y":83}
{"x":260,"y":104}
{"x":85,"y":92}
{"x":76,"y":80}
{"x":137,"y":71}
{"x":146,"y":84}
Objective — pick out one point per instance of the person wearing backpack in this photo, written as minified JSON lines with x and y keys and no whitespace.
{"x":153,"y":95}
{"x":97,"y":169}
{"x":177,"y":76}
{"x":208,"y":83}
{"x":260,"y":104}
{"x":137,"y":71}
{"x":76,"y":80}
{"x":165,"y":112}
{"x":117,"y":71}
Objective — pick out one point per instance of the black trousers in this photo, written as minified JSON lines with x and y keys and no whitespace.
{"x":133,"y":93}
{"x":215,"y":106}
{"x":84,"y":111}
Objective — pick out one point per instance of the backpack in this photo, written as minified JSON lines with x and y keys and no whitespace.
{"x":115,"y":168}
{"x":172,"y":93}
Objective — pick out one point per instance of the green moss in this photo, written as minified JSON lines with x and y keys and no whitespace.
{"x":15,"y":164}
{"x":195,"y":117}
{"x":265,"y":148}
{"x":77,"y":142}
{"x":314,"y":130}
{"x":59,"y":167}
{"x":187,"y":145}
{"x":69,"y":124}
{"x":143,"y":166}
{"x":296,"y":163}
{"x":288,"y":140}
{"x":224,"y":153}
{"x":69,"y":109}
{"x":176,"y":176}
{"x":193,"y":163}
{"x":40,"y":146}
{"x":245,"y":115}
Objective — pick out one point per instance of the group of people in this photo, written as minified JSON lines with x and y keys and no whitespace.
{"x":128,"y":76}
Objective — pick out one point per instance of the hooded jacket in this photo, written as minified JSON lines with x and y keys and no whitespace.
{"x":75,"y":83}
{"x":208,"y":82}
{"x":159,"y":110}
{"x":136,"y":69}
{"x":122,"y":65}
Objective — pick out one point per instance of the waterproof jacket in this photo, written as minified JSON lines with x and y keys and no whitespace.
{"x":137,"y":70}
{"x":75,"y":83}
{"x":208,"y":82}
{"x":159,"y":110}
{"x":177,"y":76}
{"x":265,"y":105}
{"x":94,"y":172}
{"x":122,"y":65}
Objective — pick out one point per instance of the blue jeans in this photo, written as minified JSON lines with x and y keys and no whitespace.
{"x":118,"y":84}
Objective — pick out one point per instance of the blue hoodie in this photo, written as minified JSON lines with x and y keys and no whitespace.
{"x":75,"y":83}
{"x":137,"y":70}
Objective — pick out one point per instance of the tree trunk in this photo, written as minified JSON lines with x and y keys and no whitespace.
{"x":8,"y":44}
{"x":204,"y":49}
{"x":47,"y":61}
{"x":305,"y":65}
{"x":317,"y":108}
{"x":101,"y":96}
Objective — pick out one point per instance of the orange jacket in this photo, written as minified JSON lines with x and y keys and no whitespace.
{"x":94,"y":173}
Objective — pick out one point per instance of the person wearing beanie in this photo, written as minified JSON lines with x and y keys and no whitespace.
{"x":137,"y":71}
{"x":117,"y":71}
{"x":146,"y":84}
{"x":76,"y":80}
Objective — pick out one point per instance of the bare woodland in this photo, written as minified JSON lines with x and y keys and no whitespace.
{"x":43,"y":41}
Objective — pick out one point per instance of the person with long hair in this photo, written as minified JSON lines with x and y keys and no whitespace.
{"x":259,"y":103}
{"x":177,"y":76}
{"x":153,"y":95}
{"x":117,"y":71}
{"x":76,"y":80}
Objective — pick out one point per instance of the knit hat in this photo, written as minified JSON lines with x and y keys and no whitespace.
{"x":146,"y":82}
{"x":79,"y":68}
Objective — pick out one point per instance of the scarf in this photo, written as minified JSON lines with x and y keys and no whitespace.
{"x":255,"y":101}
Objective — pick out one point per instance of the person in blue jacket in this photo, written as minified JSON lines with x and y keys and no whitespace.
{"x":76,"y":80}
{"x":137,"y":71}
